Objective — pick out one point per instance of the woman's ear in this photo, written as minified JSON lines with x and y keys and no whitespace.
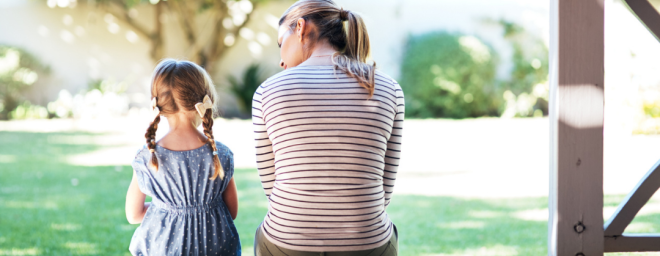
{"x":300,"y":28}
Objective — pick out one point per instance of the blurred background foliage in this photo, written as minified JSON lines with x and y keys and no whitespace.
{"x":453,"y":75}
{"x":243,"y":89}
{"x":19,"y":70}
{"x":449,"y":75}
{"x":209,"y":29}
{"x":207,"y":41}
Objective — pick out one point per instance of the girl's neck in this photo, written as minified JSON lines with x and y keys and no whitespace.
{"x":183,"y":134}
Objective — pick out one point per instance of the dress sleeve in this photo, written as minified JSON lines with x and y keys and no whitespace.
{"x":264,"y":147}
{"x":228,"y":167}
{"x":144,"y":176}
{"x":393,"y":154}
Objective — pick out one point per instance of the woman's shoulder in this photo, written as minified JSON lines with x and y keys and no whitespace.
{"x":286,"y":72}
{"x":298,"y":72}
{"x":384,"y":78}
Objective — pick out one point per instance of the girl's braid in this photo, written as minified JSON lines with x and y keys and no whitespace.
{"x":208,"y":131}
{"x":151,"y":142}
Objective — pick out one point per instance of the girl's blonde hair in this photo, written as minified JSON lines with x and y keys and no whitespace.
{"x":180,"y":85}
{"x":343,"y":29}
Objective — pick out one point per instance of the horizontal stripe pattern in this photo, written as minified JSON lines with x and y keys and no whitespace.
{"x":327,"y":156}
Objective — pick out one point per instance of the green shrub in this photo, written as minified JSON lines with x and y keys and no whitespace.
{"x":252,"y":78}
{"x":449,"y":75}
{"x":527,"y":84}
{"x":28,"y":111}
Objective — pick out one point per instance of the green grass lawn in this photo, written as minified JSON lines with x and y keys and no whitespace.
{"x":49,"y":207}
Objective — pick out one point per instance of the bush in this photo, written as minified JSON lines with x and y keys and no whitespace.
{"x":449,"y":75}
{"x":28,"y":111}
{"x":18,"y":71}
{"x":526,"y":88}
{"x":252,"y":78}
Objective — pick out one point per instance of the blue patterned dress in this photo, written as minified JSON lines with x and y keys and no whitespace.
{"x":187,"y":215}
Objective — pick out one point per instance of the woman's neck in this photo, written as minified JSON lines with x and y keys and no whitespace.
{"x":320,"y":56}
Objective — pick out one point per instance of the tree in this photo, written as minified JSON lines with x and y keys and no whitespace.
{"x":207,"y":39}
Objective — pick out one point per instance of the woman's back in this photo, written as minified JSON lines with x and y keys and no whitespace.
{"x":327,"y":155}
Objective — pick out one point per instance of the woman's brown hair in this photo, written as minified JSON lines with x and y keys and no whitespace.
{"x":180,"y":85}
{"x":343,"y":29}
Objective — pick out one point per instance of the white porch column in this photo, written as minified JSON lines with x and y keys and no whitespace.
{"x":575,"y":226}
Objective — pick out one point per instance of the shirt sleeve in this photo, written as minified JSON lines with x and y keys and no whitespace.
{"x":393,"y":154}
{"x":264,"y":147}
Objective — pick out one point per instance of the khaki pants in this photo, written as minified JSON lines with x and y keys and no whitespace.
{"x":263,"y":247}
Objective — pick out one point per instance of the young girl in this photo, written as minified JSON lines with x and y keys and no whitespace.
{"x":187,"y":173}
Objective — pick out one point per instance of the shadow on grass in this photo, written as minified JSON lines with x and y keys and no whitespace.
{"x":50,"y":207}
{"x":44,"y":212}
{"x":432,"y":225}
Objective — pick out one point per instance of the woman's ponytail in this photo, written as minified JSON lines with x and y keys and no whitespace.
{"x":357,"y":39}
{"x":354,"y":57}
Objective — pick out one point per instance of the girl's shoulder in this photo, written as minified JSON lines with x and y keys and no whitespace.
{"x":142,"y":148}
{"x":141,"y":159}
{"x":223,"y":149}
{"x":141,"y":152}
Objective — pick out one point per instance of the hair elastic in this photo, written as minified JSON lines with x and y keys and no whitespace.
{"x":343,"y":14}
{"x":215,"y":153}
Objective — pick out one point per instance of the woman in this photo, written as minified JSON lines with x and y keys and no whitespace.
{"x":328,"y":137}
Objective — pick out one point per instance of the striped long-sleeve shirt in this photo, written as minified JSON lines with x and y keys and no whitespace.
{"x":327,"y":156}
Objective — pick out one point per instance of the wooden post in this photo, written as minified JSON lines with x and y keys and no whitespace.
{"x":575,"y":226}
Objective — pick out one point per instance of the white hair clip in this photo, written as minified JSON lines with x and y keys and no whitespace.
{"x":204,"y":105}
{"x":154,"y":107}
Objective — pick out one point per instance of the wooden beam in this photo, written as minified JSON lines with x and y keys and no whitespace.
{"x":633,"y":243}
{"x":635,"y":200}
{"x":647,"y":14}
{"x":575,"y":226}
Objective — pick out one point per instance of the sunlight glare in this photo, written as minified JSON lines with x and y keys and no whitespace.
{"x":17,"y":251}
{"x":5,"y":159}
{"x":532,"y":215}
{"x":67,"y":20}
{"x":81,"y":248}
{"x":65,"y":226}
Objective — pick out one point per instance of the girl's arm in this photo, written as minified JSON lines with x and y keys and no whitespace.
{"x":230,"y":196}
{"x":135,"y":205}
